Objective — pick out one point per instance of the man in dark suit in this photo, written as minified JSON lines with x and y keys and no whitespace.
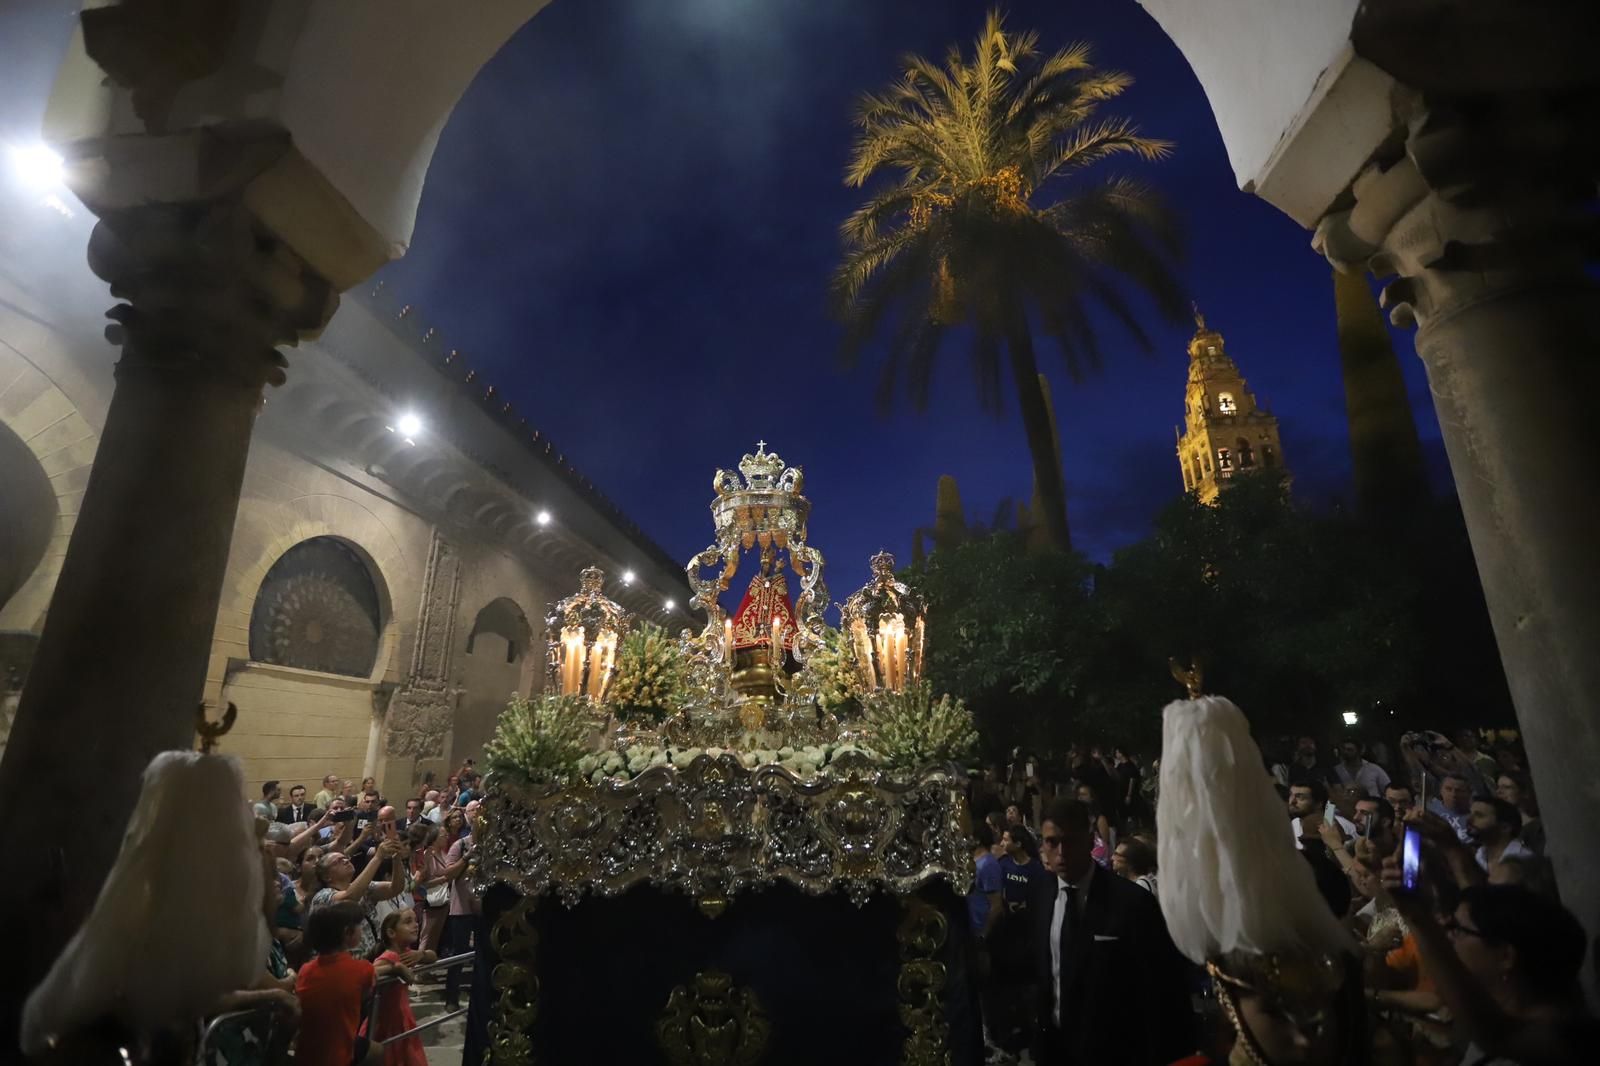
{"x":297,"y":809}
{"x":1113,"y":990}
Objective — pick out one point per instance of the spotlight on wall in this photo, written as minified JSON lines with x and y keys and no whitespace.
{"x":543,"y":518}
{"x":1351,"y":718}
{"x":627,"y":577}
{"x":37,"y":167}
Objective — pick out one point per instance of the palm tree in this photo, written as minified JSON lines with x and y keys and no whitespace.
{"x":963,"y":235}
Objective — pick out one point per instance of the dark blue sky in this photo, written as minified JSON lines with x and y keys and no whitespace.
{"x":629,"y":226}
{"x":632,"y":215}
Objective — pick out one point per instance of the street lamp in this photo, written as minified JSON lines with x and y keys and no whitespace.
{"x":1351,"y":718}
{"x":37,"y":167}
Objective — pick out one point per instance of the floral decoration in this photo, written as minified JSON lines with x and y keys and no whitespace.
{"x":809,"y":761}
{"x":912,"y":730}
{"x":835,"y":677}
{"x":651,"y":679}
{"x":539,"y":740}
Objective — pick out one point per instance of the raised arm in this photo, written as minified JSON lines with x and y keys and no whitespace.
{"x":357,"y":889}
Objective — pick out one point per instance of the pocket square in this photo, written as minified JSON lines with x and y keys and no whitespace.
{"x":1098,"y":939}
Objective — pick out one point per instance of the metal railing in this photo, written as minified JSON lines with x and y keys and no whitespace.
{"x":464,"y":959}
{"x":269,"y":1012}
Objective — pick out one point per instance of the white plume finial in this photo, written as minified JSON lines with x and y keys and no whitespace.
{"x":1231,"y":879}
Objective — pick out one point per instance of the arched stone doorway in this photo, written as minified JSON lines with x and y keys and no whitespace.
{"x":498,"y":659}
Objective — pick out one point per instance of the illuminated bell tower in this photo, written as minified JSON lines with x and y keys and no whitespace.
{"x":1226,"y":434}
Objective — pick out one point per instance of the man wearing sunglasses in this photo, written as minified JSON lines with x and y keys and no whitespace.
{"x":1112,"y":987}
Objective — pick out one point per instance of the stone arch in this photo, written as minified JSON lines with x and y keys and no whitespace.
{"x":319,"y":608}
{"x":267,"y":529}
{"x":28,"y":515}
{"x":44,"y":466}
{"x":498,"y":658}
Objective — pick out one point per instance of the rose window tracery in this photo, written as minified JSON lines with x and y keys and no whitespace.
{"x":318,"y":609}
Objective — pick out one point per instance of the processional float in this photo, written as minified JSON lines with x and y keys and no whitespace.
{"x":715,"y":886}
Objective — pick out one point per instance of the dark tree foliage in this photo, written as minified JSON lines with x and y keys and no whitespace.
{"x":1295,"y":616}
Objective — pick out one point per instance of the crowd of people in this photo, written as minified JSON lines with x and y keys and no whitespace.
{"x":1476,"y":963}
{"x":359,"y":893}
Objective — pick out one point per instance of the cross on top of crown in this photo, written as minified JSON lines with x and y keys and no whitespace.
{"x":761,"y":470}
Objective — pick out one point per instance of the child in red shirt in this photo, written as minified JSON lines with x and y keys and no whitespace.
{"x":333,"y":988}
{"x":399,"y":936}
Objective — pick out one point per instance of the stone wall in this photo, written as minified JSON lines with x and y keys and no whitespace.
{"x":458,"y":587}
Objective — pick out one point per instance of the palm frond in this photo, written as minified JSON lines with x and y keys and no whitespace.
{"x":1091,"y":144}
{"x":864,"y":224}
{"x":957,"y":232}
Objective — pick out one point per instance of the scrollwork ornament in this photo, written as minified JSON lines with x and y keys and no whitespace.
{"x":921,"y":935}
{"x":714,"y":828}
{"x":514,"y":979}
{"x":713,"y":1022}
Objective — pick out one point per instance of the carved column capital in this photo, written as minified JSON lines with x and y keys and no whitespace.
{"x":207,"y":290}
{"x":1483,"y":197}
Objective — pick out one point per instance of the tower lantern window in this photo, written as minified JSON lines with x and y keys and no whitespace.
{"x":1225,"y":403}
{"x":1224,"y":461}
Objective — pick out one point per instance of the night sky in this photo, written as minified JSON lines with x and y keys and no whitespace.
{"x":631,"y":219}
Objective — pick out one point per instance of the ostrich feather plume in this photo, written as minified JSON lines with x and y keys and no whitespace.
{"x":178,"y":922}
{"x":1231,"y":879}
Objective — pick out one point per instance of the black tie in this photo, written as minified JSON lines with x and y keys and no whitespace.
{"x":1069,"y":917}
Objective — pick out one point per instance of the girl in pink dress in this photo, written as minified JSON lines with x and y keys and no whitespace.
{"x":393,"y":1014}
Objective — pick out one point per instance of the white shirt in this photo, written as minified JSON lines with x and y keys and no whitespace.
{"x":1349,"y":827}
{"x":1514,"y":850}
{"x":1079,"y":899}
{"x":1369,"y":777}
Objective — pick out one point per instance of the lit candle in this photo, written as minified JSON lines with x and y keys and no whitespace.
{"x":893,"y":632}
{"x":916,"y":658}
{"x":605,"y":649}
{"x":776,"y":654}
{"x":727,"y":641}
{"x":572,"y":656}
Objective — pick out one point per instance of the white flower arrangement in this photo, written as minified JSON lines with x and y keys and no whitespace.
{"x":804,"y":762}
{"x":911,"y":730}
{"x":651,"y":679}
{"x":835,"y":675}
{"x":539,"y":740}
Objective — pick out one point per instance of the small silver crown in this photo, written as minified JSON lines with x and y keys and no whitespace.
{"x":762,"y":470}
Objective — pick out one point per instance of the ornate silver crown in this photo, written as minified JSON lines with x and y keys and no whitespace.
{"x":761,"y":501}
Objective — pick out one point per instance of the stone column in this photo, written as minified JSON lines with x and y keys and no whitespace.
{"x":1480,"y":217}
{"x":121,"y":663}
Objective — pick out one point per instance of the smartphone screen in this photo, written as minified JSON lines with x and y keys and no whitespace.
{"x":1410,"y":858}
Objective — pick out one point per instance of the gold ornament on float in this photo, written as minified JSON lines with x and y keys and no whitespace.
{"x":584,"y":630}
{"x":886,"y":622}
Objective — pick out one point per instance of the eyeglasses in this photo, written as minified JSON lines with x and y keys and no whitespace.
{"x":1454,"y":928}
